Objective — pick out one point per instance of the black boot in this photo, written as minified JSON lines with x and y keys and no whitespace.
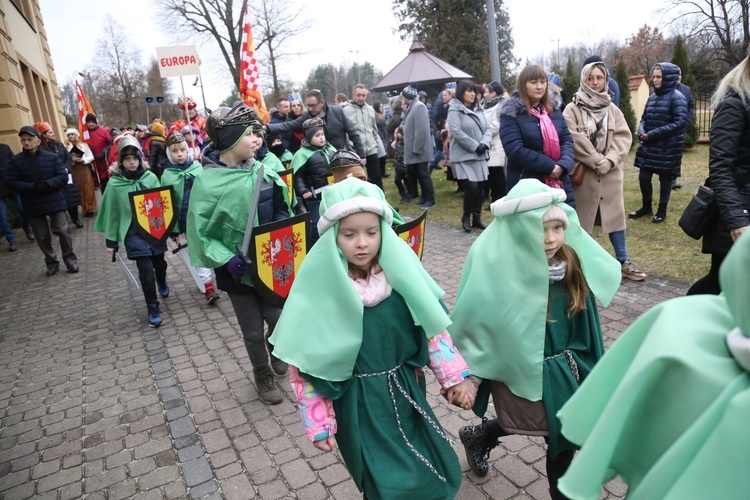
{"x":661,"y":214}
{"x":468,"y":206}
{"x":477,"y":209}
{"x":477,"y":446}
{"x":645,"y":211}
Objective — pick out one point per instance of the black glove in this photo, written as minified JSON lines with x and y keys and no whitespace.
{"x":481,"y":149}
{"x":40,"y":187}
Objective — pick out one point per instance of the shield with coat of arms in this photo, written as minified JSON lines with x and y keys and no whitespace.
{"x":412,"y":233}
{"x":153,"y":213}
{"x":277,"y":251}
{"x":286,"y":176}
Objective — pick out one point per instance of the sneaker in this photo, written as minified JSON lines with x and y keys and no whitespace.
{"x":631,"y":272}
{"x":279,"y":367}
{"x":477,"y":452}
{"x":426,"y":205}
{"x":154,"y":315}
{"x":265,"y":382}
{"x":405,"y":199}
{"x":12,"y":246}
{"x":164,"y":291}
{"x":212,"y":294}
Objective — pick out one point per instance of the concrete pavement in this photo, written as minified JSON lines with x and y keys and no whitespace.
{"x":95,"y":404}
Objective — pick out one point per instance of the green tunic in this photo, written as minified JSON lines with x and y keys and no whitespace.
{"x":377,"y":455}
{"x":577,"y":338}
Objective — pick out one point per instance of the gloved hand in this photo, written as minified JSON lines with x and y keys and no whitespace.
{"x":40,"y":187}
{"x":481,"y":149}
{"x":236,"y":266}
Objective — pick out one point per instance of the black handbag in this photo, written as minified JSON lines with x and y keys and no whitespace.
{"x":700,"y":214}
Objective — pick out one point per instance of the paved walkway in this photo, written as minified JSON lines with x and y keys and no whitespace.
{"x":95,"y":404}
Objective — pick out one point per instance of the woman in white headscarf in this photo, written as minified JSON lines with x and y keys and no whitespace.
{"x":601,"y":139}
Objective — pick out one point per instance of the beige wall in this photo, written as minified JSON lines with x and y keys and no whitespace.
{"x":638,"y":99}
{"x":28,"y":85}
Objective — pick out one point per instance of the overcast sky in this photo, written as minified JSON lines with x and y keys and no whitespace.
{"x":339,"y":28}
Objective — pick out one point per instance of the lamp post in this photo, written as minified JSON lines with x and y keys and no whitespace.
{"x":557,"y":59}
{"x":203,"y":95}
{"x":359,"y":76}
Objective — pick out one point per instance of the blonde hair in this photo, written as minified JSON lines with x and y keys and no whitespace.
{"x":737,"y":81}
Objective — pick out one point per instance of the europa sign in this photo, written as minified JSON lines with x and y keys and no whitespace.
{"x":180,"y":60}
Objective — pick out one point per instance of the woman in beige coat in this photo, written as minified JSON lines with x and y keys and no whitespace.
{"x":601,"y":139}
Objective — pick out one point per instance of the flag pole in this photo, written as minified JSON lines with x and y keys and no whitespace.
{"x":187,"y":115}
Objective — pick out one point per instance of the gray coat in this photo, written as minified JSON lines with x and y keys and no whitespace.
{"x":417,"y":137}
{"x":468,"y":129}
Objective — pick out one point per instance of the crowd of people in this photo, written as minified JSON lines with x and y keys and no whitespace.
{"x":355,"y":354}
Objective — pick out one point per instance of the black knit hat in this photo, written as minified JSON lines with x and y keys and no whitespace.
{"x":90,"y":118}
{"x":409,"y":93}
{"x":497,"y":87}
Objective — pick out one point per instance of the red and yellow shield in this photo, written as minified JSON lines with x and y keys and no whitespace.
{"x":153,"y":213}
{"x":286,"y":176}
{"x":412,"y":233}
{"x":277,"y":251}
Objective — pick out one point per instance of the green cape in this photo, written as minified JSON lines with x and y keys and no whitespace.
{"x":176,"y":176}
{"x":667,"y":406}
{"x":218,"y":212}
{"x":320,"y":329}
{"x":501,"y":306}
{"x":115,"y":215}
{"x":271,"y":160}
{"x":304,"y":153}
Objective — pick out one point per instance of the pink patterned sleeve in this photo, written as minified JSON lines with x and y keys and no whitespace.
{"x":446,"y":362}
{"x":317,"y":412}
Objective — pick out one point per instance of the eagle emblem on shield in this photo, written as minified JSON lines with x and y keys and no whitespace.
{"x":277,"y":251}
{"x":153,"y":213}
{"x":412,"y":233}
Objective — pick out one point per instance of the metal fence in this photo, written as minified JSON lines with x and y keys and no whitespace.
{"x":703,"y":112}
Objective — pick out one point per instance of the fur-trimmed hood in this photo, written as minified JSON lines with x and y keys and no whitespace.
{"x":514,"y":105}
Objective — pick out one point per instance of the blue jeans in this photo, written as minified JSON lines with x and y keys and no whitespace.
{"x":5,"y":221}
{"x":618,"y":242}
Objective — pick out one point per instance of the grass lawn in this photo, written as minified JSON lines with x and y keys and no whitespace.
{"x":658,"y":249}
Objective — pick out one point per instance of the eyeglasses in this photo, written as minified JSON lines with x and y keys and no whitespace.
{"x":311,"y":106}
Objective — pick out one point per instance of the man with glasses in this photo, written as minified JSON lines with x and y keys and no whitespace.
{"x":337,"y":125}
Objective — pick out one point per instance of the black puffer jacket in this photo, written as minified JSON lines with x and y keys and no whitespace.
{"x":729,"y":171}
{"x":39,"y":179}
{"x":315,"y":171}
{"x":522,"y":141}
{"x":664,"y":120}
{"x":272,"y":206}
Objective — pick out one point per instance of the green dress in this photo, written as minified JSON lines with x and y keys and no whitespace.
{"x":371,"y":442}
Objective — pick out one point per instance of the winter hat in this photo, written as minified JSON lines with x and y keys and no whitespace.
{"x":71,"y":130}
{"x":594,"y":58}
{"x":345,"y":163}
{"x":174,"y":138}
{"x":157,"y":128}
{"x":409,"y":93}
{"x":226,"y":126}
{"x":91,"y":118}
{"x":311,"y":126}
{"x":422,"y":93}
{"x":555,"y":213}
{"x":141,"y":127}
{"x":295,"y":96}
{"x":42,"y":127}
{"x":128,"y":145}
{"x":497,"y":87}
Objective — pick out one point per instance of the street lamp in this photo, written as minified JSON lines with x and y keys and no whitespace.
{"x":557,"y":59}
{"x":359,"y":76}
{"x":203,"y":95}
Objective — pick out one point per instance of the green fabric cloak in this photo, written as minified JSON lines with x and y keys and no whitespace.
{"x":500,"y":315}
{"x":271,"y":160}
{"x":305,"y":152}
{"x":375,"y":452}
{"x":218,"y":212}
{"x":176,"y":176}
{"x":667,"y":407}
{"x":115,"y":215}
{"x":320,"y":328}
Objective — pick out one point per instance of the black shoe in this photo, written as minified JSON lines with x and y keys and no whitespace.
{"x":477,"y":451}
{"x":477,"y":223}
{"x":51,"y":271}
{"x":676,"y":185}
{"x":29,"y":234}
{"x":73,"y":268}
{"x":641,"y":212}
{"x":465,"y":223}
{"x":90,"y":213}
{"x":78,"y":223}
{"x":426,"y":205}
{"x":405,"y":199}
{"x":385,"y":175}
{"x":661,"y":214}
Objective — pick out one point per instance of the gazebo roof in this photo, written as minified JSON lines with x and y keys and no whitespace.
{"x":419,"y":67}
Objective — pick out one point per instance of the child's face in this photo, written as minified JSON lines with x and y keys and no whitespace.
{"x":178,"y":152}
{"x":359,"y":239}
{"x":130,"y":163}
{"x":276,"y":142}
{"x":318,"y":139}
{"x":247,"y":146}
{"x":554,"y":237}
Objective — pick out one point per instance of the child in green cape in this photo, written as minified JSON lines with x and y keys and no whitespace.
{"x":355,"y":348}
{"x":526,"y":319}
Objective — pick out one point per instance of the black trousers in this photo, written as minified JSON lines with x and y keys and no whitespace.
{"x":373,"y":170}
{"x":151,"y":270}
{"x":647,"y":190}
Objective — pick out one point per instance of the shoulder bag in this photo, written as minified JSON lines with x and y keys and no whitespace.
{"x":576,"y":173}
{"x":700,"y":213}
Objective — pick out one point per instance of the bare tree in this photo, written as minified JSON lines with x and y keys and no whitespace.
{"x":69,"y":99}
{"x":721,"y":26}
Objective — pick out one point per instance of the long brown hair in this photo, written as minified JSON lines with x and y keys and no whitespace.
{"x":533,"y":72}
{"x":574,"y":281}
{"x":357,"y":273}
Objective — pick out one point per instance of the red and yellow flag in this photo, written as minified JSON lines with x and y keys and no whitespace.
{"x":250,"y":91}
{"x":84,"y":108}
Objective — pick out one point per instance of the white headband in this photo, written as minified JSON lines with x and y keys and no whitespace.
{"x":504,"y":206}
{"x":359,"y":203}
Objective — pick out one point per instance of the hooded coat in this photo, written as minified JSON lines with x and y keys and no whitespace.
{"x":522,"y":141}
{"x":664,"y":120}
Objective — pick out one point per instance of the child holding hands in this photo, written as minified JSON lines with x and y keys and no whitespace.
{"x":526,"y":320}
{"x":355,"y":351}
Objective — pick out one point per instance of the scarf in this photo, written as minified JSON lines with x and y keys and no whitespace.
{"x":551,"y":143}
{"x":557,"y":268}
{"x":373,"y":290}
{"x":594,"y":108}
{"x":491,"y":102}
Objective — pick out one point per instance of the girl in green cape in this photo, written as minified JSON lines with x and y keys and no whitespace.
{"x":363,"y":317}
{"x":526,"y":319}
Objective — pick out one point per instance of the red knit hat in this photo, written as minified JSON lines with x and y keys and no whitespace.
{"x":188,"y":103}
{"x":42,"y":127}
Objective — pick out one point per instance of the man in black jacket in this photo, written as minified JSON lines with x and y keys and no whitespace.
{"x":39,"y":177}
{"x":337,"y":125}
